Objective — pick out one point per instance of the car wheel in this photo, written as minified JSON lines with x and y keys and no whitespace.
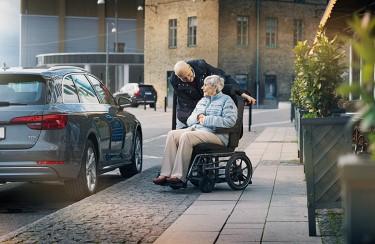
{"x":152,"y":105}
{"x":134,"y":103}
{"x":87,"y":181}
{"x":135,"y":166}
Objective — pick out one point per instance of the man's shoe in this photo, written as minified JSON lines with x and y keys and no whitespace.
{"x":176,"y":183}
{"x":160,"y":181}
{"x":173,"y":180}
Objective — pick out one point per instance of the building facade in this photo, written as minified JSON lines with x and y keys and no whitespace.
{"x":82,"y":33}
{"x":251,"y":40}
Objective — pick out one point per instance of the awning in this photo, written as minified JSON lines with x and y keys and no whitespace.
{"x":339,"y":12}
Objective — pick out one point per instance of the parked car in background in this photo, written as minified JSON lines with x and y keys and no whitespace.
{"x":62,"y":124}
{"x":138,"y":94}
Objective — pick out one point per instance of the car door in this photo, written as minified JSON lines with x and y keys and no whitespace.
{"x":122,"y":126}
{"x":98,"y":117}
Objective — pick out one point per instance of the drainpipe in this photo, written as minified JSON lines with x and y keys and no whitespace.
{"x":257,"y":54}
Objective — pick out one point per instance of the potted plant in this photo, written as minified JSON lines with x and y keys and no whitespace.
{"x":358,"y":171}
{"x":322,"y":136}
{"x":298,"y":92}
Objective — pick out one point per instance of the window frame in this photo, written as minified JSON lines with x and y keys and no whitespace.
{"x":271,"y":28}
{"x":192,"y":31}
{"x":172,"y":33}
{"x":242,"y":31}
{"x":298,"y":31}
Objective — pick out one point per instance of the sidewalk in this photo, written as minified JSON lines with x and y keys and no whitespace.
{"x":272,"y":209}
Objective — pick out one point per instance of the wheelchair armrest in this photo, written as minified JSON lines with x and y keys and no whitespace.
{"x":221,"y":130}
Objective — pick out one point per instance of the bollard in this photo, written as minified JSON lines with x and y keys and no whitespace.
{"x":250,"y":115}
{"x":144,"y":100}
{"x":165,"y":103}
{"x":154,"y":103}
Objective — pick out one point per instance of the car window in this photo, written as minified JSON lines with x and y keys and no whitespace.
{"x":69,"y":90}
{"x":102,"y":92}
{"x":85,"y":90}
{"x":28,"y":89}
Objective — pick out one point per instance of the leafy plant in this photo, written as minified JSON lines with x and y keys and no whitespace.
{"x":318,"y":74}
{"x":363,"y":44}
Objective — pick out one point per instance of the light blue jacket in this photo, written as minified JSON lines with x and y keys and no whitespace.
{"x":220,"y":111}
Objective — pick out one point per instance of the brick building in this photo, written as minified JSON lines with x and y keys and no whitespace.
{"x":251,"y":40}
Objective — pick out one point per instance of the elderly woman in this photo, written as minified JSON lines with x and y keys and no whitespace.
{"x":215,"y":109}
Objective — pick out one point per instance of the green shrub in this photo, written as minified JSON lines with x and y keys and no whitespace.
{"x":318,"y":73}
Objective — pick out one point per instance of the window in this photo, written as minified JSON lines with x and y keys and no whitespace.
{"x":270,"y":87}
{"x":69,"y":91}
{"x":271,"y":32}
{"x":102,"y":92}
{"x":242,"y":80}
{"x":242,"y":31}
{"x":298,"y":32}
{"x":85,"y":91}
{"x":192,"y":31}
{"x":172,"y":33}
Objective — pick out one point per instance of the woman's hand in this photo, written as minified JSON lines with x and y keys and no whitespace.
{"x":200,"y":119}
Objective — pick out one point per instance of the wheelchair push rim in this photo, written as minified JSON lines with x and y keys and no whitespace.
{"x":238,"y":172}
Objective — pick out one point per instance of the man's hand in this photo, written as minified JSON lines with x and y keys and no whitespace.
{"x":249,"y":98}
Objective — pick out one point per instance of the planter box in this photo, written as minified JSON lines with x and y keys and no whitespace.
{"x":358,"y":196}
{"x":324,"y":140}
{"x":299,"y":112}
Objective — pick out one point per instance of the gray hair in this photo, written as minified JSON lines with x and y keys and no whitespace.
{"x":215,"y":80}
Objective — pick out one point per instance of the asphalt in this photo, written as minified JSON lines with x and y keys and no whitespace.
{"x":272,"y":209}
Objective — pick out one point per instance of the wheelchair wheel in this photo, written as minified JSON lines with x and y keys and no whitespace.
{"x":238,"y":172}
{"x":206,"y":184}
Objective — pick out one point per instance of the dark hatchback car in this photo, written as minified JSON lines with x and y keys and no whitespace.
{"x":139,"y":94}
{"x":62,"y":124}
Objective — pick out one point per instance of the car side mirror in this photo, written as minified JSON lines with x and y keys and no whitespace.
{"x":124,"y":102}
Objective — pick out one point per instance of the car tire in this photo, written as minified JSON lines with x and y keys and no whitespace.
{"x":152,"y":105}
{"x":135,"y":166}
{"x":87,"y":180}
{"x":134,"y":103}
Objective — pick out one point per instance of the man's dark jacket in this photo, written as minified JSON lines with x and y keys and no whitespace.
{"x":189,"y":95}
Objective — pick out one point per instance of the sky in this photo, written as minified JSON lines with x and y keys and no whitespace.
{"x":10,"y":32}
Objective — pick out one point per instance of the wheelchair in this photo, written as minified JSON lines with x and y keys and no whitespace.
{"x":212,"y":163}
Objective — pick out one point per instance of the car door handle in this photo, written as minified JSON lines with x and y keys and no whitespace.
{"x":96,"y":119}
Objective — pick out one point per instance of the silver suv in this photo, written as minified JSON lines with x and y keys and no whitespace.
{"x":62,"y":124}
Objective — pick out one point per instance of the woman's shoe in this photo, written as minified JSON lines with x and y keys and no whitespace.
{"x":160,"y":181}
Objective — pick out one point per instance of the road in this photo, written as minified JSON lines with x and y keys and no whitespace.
{"x":24,"y":203}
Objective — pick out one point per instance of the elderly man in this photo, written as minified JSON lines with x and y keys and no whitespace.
{"x":215,"y":109}
{"x":187,"y":80}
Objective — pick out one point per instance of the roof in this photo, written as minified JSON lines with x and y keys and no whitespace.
{"x":41,"y":70}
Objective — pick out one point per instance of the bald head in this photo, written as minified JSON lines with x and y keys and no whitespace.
{"x":183,"y":71}
{"x":181,"y":68}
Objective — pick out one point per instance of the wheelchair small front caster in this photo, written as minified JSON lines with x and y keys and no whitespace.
{"x":206,"y":184}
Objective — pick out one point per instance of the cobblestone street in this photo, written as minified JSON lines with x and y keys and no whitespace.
{"x":132,"y":211}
